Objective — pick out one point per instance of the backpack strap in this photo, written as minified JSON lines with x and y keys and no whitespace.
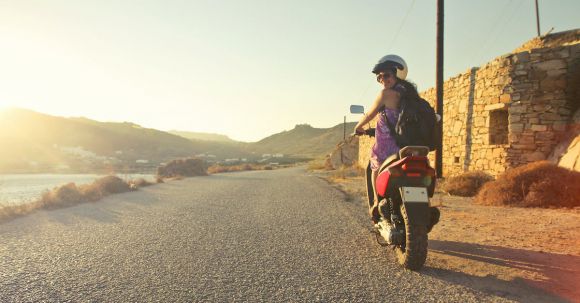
{"x":390,"y":125}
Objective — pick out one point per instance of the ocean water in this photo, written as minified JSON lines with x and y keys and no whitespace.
{"x":25,"y":188}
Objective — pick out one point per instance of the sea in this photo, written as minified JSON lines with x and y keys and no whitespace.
{"x":18,"y":189}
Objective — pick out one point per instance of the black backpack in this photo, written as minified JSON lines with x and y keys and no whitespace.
{"x":416,"y":125}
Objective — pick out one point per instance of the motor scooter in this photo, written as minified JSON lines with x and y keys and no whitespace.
{"x":404,"y":184}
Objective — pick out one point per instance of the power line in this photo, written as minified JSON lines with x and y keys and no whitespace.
{"x":504,"y":25}
{"x":402,"y":23}
{"x":504,"y":10}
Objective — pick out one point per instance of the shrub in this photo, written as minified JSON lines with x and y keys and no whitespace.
{"x":112,"y":185}
{"x":467,"y":184}
{"x":538,"y":184}
{"x":65,"y":195}
{"x":140,"y":182}
{"x":183,"y":168}
{"x":91,"y":192}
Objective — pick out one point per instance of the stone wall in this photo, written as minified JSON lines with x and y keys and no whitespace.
{"x":509,"y":112}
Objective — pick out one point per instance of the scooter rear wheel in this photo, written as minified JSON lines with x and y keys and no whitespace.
{"x":413,"y":252}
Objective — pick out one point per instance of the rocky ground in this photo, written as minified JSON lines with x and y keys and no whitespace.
{"x":496,"y":248}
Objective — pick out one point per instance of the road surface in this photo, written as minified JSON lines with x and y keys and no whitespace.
{"x":259,"y":236}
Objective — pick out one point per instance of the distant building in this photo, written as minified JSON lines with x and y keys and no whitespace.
{"x":266,"y":155}
{"x":278,"y":155}
{"x":142,"y":161}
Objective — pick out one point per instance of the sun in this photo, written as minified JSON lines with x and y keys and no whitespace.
{"x":4,"y":105}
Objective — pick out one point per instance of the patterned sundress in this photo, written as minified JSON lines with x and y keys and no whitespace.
{"x":385,"y":144}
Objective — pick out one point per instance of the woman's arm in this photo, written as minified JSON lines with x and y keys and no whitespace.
{"x":385,"y":94}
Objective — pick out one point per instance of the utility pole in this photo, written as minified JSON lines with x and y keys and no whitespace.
{"x":537,"y":18}
{"x":439,"y":88}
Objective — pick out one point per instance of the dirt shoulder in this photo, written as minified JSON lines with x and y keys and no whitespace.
{"x":495,"y":248}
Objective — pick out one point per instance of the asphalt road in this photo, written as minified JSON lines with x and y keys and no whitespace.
{"x":265,"y":236}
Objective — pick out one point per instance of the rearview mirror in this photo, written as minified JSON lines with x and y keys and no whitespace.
{"x":357,"y":109}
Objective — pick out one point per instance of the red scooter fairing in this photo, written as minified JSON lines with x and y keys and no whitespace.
{"x":411,"y":170}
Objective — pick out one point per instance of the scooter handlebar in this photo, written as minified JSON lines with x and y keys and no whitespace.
{"x":367,"y":132}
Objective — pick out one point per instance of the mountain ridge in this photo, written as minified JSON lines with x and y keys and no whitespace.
{"x":39,"y":141}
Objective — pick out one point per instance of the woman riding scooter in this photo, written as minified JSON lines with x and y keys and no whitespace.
{"x":391,"y":71}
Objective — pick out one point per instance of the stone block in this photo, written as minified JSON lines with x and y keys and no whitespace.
{"x":516,"y":127}
{"x":559,"y":126}
{"x":558,"y":53}
{"x":457,"y":125}
{"x":564,"y":112}
{"x":544,"y":136}
{"x":505,"y":98}
{"x":551,"y":84}
{"x":550,"y":117}
{"x":517,"y":109}
{"x":514,"y":118}
{"x":479,"y":121}
{"x":524,"y":146}
{"x":535,"y":156}
{"x":539,"y":128}
{"x":550,"y":64}
{"x":526,"y":140}
{"x":521,"y":72}
{"x":557,"y":72}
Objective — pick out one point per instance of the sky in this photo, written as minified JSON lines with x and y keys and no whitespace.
{"x":243,"y":68}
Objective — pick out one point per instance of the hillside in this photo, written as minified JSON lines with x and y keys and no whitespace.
{"x":202,"y":136}
{"x":42,"y":141}
{"x":304,"y":140}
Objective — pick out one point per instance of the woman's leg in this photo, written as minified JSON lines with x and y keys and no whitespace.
{"x":374,"y":210}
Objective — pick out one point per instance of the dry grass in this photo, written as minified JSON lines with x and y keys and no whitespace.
{"x":538,"y":184}
{"x":215,"y":169}
{"x":345,"y":172}
{"x":183,"y":168}
{"x":140,"y":182}
{"x":318,"y":164}
{"x":467,"y":184}
{"x":71,"y":194}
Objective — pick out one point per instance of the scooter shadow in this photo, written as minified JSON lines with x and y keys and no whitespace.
{"x":516,"y":274}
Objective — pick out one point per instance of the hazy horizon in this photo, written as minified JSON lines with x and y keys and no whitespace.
{"x":242,"y":69}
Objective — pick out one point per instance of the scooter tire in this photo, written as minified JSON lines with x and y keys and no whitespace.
{"x":414,"y":253}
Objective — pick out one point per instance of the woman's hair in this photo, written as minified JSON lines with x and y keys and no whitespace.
{"x":410,"y":89}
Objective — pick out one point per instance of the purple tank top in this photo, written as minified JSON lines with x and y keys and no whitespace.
{"x":385,"y":144}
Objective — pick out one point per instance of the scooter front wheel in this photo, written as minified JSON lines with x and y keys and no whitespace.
{"x":413,"y":252}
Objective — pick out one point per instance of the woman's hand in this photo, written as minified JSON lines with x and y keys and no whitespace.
{"x":359,"y":130}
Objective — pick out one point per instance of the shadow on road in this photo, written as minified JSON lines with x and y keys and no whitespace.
{"x":516,"y":274}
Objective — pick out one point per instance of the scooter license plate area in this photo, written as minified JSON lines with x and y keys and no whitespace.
{"x":416,"y":201}
{"x":414,"y":194}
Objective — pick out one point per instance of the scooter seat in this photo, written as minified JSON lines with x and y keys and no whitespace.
{"x":389,"y":161}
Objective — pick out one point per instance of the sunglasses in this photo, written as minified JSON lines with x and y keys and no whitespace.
{"x":384,"y":76}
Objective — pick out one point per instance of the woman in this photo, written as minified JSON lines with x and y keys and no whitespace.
{"x":391,"y":71}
